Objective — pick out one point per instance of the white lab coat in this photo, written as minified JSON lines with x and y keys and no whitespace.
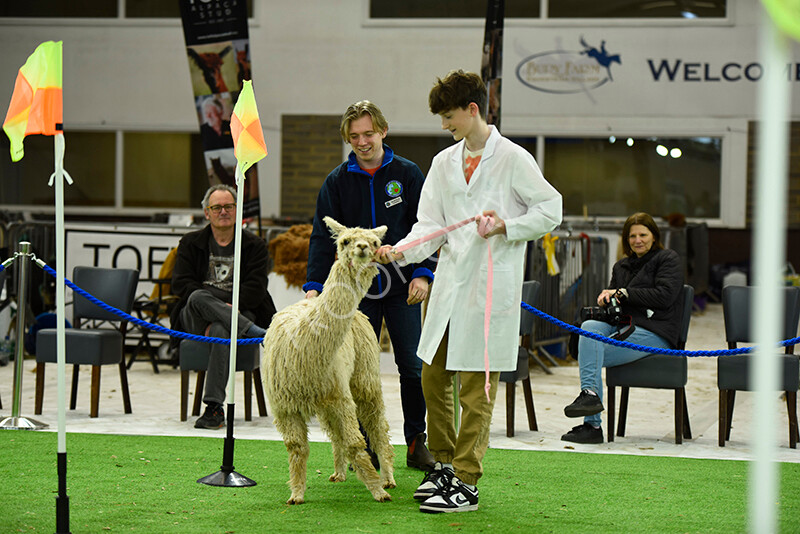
{"x":509,"y":181}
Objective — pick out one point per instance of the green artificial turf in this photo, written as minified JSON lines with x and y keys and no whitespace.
{"x":148,"y":484}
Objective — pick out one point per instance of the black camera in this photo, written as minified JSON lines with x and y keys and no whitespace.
{"x":611,"y":314}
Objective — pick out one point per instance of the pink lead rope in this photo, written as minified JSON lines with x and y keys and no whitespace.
{"x":485,"y":225}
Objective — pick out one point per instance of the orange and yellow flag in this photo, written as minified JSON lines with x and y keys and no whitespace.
{"x":36,"y":104}
{"x":248,"y":139}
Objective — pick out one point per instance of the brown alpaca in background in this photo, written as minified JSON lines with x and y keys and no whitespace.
{"x":321,"y":358}
{"x":210,"y":64}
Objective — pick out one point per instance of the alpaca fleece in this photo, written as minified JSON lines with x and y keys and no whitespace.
{"x":321,"y":358}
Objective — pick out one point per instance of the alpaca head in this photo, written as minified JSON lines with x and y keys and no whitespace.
{"x":355,"y":246}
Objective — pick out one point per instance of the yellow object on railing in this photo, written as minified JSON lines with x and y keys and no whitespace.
{"x":549,"y":246}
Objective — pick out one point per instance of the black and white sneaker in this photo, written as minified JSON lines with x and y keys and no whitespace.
{"x":457,"y":498}
{"x":587,"y":403}
{"x":435,"y":481}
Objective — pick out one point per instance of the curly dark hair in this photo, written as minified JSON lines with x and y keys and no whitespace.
{"x":456,"y":91}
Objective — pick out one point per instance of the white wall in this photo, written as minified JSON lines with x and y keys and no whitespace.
{"x":318,"y":56}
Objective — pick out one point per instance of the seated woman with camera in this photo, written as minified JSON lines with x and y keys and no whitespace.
{"x":640,"y":306}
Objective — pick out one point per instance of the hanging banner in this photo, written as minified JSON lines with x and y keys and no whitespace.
{"x":492,"y":61}
{"x":218,"y":51}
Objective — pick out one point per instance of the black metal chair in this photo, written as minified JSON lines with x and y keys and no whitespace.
{"x":154,"y":308}
{"x":733,"y":371}
{"x":530,"y":295}
{"x":193,"y":356}
{"x":86,"y":343}
{"x":655,"y":371}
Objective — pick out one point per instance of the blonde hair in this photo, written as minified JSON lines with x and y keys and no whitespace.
{"x":358,"y":110}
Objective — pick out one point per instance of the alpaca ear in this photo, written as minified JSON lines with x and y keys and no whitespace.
{"x":380,"y":231}
{"x":334,"y":226}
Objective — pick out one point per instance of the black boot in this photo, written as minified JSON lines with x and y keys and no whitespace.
{"x":418,"y":456}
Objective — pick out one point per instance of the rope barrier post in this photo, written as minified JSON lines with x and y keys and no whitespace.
{"x":16,"y":422}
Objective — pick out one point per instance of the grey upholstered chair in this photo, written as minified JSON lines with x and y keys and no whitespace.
{"x":733,"y":371}
{"x":655,"y":371}
{"x":193,"y":356}
{"x":87,"y":343}
{"x":530,"y":295}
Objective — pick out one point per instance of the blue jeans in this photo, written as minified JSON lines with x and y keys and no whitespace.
{"x":594,"y":355}
{"x":404,"y":324}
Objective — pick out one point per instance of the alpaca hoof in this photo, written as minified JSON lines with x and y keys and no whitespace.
{"x":389,"y":484}
{"x":382,"y":496}
{"x":295,"y":500}
{"x":338,"y":477}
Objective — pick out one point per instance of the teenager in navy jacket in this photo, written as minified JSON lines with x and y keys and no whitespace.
{"x":376,"y":187}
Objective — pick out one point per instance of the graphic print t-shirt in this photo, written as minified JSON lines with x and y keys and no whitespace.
{"x":219,"y":278}
{"x":471,"y":160}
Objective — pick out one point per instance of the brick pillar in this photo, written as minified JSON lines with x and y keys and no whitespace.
{"x":311,"y":147}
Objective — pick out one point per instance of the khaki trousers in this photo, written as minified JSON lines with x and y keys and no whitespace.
{"x":465,"y":449}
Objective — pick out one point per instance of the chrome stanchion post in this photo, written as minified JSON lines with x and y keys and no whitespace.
{"x":15,"y":422}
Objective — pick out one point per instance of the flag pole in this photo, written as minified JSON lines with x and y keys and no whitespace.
{"x":227,"y":476}
{"x":36,"y":108}
{"x":62,"y":500}
{"x":249,"y":147}
{"x":769,"y":242}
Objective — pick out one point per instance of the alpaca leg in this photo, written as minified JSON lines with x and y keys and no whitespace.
{"x":295,"y":436}
{"x":371,"y":413}
{"x":339,"y":453}
{"x":365,"y":387}
{"x":339,"y":464}
{"x":344,"y":432}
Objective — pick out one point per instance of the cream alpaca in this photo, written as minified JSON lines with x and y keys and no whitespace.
{"x":321,"y":357}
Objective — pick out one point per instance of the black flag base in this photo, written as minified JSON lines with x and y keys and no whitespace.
{"x":21,"y":423}
{"x":62,"y":501}
{"x":230,"y":479}
{"x":226,"y":476}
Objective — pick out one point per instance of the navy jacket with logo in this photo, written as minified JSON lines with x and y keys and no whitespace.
{"x":354,"y":198}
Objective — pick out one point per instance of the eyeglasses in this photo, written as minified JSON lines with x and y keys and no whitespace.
{"x":220,"y":207}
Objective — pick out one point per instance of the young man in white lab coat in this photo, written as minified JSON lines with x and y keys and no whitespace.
{"x":483,"y":173}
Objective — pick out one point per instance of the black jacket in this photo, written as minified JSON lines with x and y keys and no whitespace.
{"x":354,"y":198}
{"x":191,"y":267}
{"x":655,"y":287}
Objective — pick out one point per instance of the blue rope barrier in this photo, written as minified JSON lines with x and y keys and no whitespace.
{"x":144,"y":324}
{"x":252,"y":341}
{"x":642,"y":348}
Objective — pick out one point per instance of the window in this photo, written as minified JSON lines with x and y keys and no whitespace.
{"x":89,"y":159}
{"x":619,"y":9}
{"x":60,"y":9}
{"x":613,"y":177}
{"x":616,"y":176}
{"x":476,"y":9}
{"x":417,"y":9}
{"x":163,"y":170}
{"x":165,"y":9}
{"x":160,"y":170}
{"x":97,"y":8}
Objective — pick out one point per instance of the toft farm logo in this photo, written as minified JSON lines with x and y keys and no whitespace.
{"x":568,"y":71}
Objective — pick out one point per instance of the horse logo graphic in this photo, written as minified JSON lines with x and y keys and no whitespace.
{"x":601,"y":56}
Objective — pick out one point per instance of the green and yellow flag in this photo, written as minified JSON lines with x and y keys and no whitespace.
{"x":36,"y":104}
{"x":786,"y":14}
{"x":248,"y":139}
